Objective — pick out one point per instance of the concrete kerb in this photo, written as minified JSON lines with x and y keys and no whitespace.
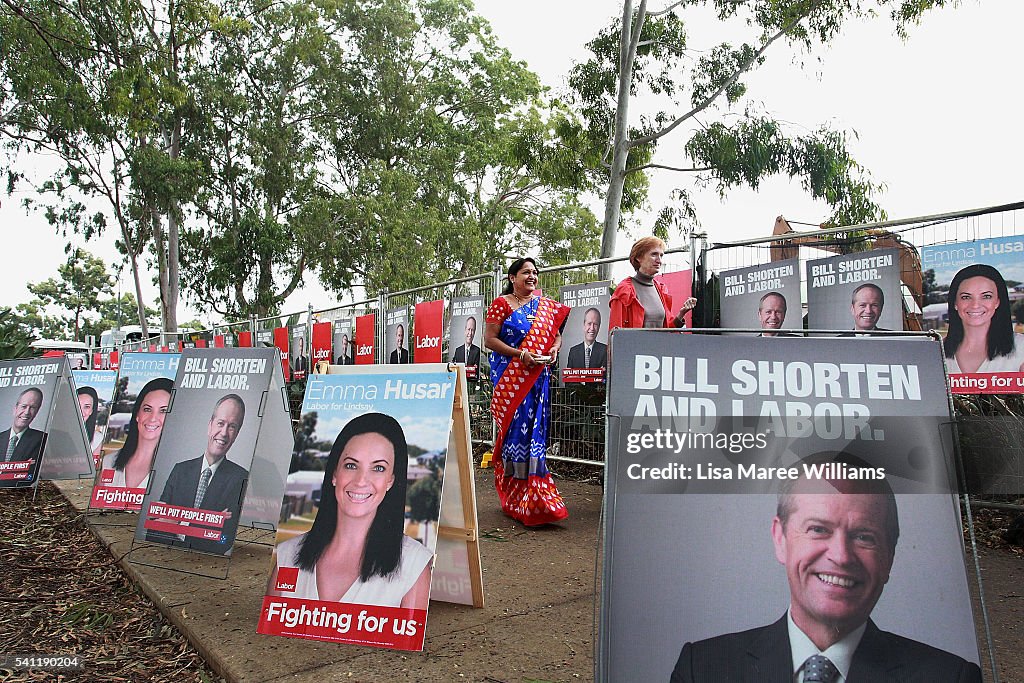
{"x":538,"y":622}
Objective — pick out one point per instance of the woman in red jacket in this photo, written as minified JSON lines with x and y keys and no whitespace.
{"x":640,"y":301}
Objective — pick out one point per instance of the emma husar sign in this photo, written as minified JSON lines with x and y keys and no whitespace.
{"x":375,"y":449}
{"x":704,"y":433}
{"x":134,"y":430}
{"x":976,"y":302}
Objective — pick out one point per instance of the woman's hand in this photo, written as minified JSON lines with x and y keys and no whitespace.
{"x":687,"y":306}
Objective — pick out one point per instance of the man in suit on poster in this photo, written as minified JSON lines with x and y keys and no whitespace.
{"x":771,"y":314}
{"x":20,"y":442}
{"x":598,"y":352}
{"x":837,"y":539}
{"x":211,"y":481}
{"x":344,"y":357}
{"x":400,"y":354}
{"x":471,"y":359}
{"x":866,"y":306}
{"x":300,"y":363}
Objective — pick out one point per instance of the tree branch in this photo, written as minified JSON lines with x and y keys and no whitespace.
{"x":667,"y":9}
{"x":669,"y":168}
{"x":722,"y":88}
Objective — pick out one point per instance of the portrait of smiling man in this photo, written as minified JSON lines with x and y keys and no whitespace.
{"x":211,"y":481}
{"x":21,"y":442}
{"x":837,"y":540}
{"x":866,"y":306}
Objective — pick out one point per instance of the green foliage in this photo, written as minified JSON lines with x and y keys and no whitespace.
{"x":697,"y":88}
{"x":444,"y":156}
{"x":80,"y":282}
{"x":425,"y":494}
{"x":14,"y":337}
{"x":1017,"y":310}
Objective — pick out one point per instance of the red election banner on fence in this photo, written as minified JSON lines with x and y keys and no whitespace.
{"x":281,"y":342}
{"x":97,"y":361}
{"x":218,"y":341}
{"x":112,"y":360}
{"x":244,"y":339}
{"x":365,"y":331}
{"x":323,"y":339}
{"x":428,"y":321}
{"x":680,"y":286}
{"x":200,"y":344}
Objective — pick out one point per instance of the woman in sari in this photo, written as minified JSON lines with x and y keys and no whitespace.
{"x":523,"y":333}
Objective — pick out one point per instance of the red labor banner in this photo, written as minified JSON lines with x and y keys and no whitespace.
{"x":365,"y":331}
{"x":323,"y":338}
{"x":281,"y":342}
{"x":427,"y":324}
{"x":245,"y":339}
{"x":218,"y":341}
{"x":680,"y":286}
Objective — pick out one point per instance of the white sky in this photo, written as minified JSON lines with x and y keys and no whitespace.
{"x":937,"y":119}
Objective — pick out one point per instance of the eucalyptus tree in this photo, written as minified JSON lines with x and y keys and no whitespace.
{"x":700,"y":81}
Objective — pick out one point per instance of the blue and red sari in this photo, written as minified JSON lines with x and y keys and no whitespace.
{"x":521,"y":406}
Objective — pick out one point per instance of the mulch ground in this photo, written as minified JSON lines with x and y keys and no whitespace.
{"x":63,"y":593}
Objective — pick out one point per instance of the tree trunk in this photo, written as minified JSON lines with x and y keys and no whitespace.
{"x":139,"y":301}
{"x":620,"y":140}
{"x":170,"y":282}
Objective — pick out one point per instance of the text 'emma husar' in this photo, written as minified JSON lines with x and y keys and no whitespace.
{"x":318,"y":390}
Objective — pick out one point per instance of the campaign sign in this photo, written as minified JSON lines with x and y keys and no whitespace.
{"x":977,"y":287}
{"x":202,"y":467}
{"x":322,"y":343}
{"x":765,"y":296}
{"x":584,"y":353}
{"x":429,"y":319}
{"x":135,"y":424}
{"x":281,"y":342}
{"x":396,"y":333}
{"x":366,"y":334}
{"x":299,"y":353}
{"x":372,"y":457}
{"x":858,"y":292}
{"x":465,"y":332}
{"x":95,"y":392}
{"x":810,"y":480}
{"x":344,"y":343}
{"x":27,"y":392}
{"x":679,"y":285}
{"x":245,"y":339}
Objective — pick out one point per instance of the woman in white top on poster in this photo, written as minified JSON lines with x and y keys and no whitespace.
{"x":356,"y":550}
{"x":980,"y":336}
{"x":133,"y":463}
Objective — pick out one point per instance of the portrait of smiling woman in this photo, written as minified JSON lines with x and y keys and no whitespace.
{"x":980,"y":336}
{"x":133,"y":463}
{"x":357,"y":551}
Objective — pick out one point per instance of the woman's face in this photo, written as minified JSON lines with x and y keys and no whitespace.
{"x":650,"y":263}
{"x":152,"y":413}
{"x":976,"y":301}
{"x":365,"y":472}
{"x":525,"y":280}
{"x":86,"y":405}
